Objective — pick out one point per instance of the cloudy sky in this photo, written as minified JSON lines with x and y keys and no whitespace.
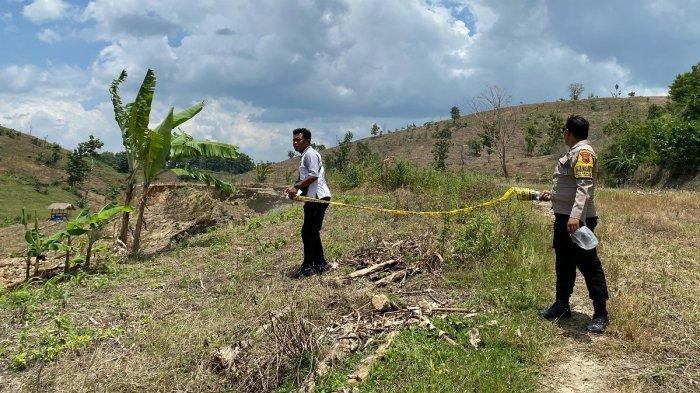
{"x":265,"y":67}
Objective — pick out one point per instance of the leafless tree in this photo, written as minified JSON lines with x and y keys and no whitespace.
{"x":495,"y":118}
{"x":575,"y":90}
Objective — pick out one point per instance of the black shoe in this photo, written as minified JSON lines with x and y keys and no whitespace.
{"x":557,"y":310}
{"x":304,"y":271}
{"x":322,"y":268}
{"x":598,"y":324}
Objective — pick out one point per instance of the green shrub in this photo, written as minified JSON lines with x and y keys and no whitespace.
{"x":676,"y":144}
{"x":397,"y":176}
{"x":352,"y":176}
{"x":474,"y":240}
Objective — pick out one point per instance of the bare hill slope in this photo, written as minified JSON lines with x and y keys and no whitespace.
{"x":415,"y":144}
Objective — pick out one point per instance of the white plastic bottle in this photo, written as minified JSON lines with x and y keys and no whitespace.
{"x":584,"y":238}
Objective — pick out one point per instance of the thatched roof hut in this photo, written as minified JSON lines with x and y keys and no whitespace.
{"x":61,"y":206}
{"x":59,"y":210}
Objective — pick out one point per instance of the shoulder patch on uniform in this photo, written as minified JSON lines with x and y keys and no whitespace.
{"x":583,"y":168}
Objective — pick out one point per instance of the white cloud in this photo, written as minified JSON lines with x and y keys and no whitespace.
{"x":266,"y":67}
{"x":6,"y":16}
{"x":40,"y":11}
{"x":48,"y":35}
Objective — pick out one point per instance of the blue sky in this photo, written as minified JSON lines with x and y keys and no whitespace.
{"x":265,"y":67}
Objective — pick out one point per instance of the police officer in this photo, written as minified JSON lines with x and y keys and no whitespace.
{"x":573,"y":203}
{"x":311,"y":183}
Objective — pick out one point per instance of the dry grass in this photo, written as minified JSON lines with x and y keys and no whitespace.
{"x":649,"y":243}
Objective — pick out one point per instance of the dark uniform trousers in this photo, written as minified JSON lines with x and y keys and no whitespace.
{"x":311,"y":233}
{"x":569,"y":256}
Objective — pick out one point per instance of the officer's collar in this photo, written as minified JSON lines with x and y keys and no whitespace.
{"x":579,"y":143}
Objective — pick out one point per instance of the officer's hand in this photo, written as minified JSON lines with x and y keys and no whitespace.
{"x":291,"y":192}
{"x":573,"y":225}
{"x":545,"y":196}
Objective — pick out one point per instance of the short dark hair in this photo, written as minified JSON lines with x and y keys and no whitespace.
{"x":577,"y":126}
{"x":303,"y":131}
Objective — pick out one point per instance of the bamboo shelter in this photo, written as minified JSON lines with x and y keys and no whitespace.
{"x":59,"y":210}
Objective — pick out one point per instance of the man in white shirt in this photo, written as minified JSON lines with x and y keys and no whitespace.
{"x":311,"y":183}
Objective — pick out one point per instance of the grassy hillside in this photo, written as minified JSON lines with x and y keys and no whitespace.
{"x":28,"y":182}
{"x":415,"y":144}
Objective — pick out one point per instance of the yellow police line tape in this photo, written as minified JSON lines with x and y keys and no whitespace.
{"x":520,"y":193}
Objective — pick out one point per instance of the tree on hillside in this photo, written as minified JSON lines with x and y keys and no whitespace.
{"x":616,"y":92}
{"x":149,"y":150}
{"x":552,"y":134}
{"x":78,"y":167}
{"x":454,"y":113}
{"x":291,"y":154}
{"x":531,"y":134}
{"x":441,"y":147}
{"x":117,"y":160}
{"x":684,"y":93}
{"x":375,"y":130}
{"x":496,"y":120}
{"x":341,"y":157}
{"x":575,"y":90}
{"x":474,"y":146}
{"x":90,"y":147}
{"x":364,"y":153}
{"x":240,"y":164}
{"x":487,"y":139}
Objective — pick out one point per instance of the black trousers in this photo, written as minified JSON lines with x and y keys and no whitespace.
{"x":311,"y":233}
{"x":569,"y":256}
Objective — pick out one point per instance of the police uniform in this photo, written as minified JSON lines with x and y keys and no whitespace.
{"x":573,"y":195}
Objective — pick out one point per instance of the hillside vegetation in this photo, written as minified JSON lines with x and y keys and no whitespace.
{"x":27,"y":180}
{"x":414,"y":144}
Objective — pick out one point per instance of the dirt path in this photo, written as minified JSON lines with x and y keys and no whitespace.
{"x":580,"y":369}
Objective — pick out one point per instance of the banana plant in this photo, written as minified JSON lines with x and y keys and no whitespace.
{"x":150,"y":150}
{"x":89,"y":224}
{"x":37,"y":245}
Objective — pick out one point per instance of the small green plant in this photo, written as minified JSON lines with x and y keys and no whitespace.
{"x":474,"y":240}
{"x":262,"y":171}
{"x":37,"y":245}
{"x":48,"y":344}
{"x":90,"y":224}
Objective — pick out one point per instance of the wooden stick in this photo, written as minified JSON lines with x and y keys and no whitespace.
{"x":371,"y":269}
{"x":362,"y":371}
{"x":391,"y":278}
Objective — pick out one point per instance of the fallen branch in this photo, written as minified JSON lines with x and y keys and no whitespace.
{"x":397,"y":276}
{"x":362,"y":371}
{"x":371,"y":269}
